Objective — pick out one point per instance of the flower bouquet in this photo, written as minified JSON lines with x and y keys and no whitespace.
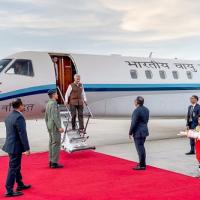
{"x":190,"y":133}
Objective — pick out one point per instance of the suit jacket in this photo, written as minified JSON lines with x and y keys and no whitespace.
{"x":52,"y":116}
{"x":194,"y":120}
{"x":16,"y":135}
{"x":140,"y":118}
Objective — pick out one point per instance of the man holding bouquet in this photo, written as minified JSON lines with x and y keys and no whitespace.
{"x":192,"y":120}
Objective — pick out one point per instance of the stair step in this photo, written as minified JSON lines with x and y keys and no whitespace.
{"x":82,"y":139}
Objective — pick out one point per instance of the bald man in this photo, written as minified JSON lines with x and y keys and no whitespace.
{"x":139,"y":130}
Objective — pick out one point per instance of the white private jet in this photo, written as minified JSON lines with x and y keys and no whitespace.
{"x":111,"y":82}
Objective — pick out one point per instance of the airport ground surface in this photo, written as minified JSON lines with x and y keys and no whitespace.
{"x":110,"y":136}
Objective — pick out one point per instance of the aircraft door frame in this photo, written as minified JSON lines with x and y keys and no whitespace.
{"x":64,"y":73}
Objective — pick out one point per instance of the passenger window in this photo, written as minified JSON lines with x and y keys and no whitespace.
{"x":21,"y":67}
{"x":175,"y":74}
{"x":189,"y":74}
{"x":162,"y":74}
{"x":133,"y":74}
{"x":148,"y":74}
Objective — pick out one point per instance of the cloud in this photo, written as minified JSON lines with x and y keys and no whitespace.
{"x":127,"y":20}
{"x":52,"y":18}
{"x":101,"y":25}
{"x":158,"y":19}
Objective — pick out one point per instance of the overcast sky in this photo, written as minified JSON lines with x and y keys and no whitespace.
{"x":168,"y":28}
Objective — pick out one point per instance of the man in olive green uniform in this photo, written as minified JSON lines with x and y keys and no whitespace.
{"x":75,"y":96}
{"x":53,"y":122}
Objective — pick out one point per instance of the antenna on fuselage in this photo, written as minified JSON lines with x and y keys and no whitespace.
{"x":150,"y":55}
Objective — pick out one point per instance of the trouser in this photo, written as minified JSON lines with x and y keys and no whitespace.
{"x":14,"y":172}
{"x":79,"y":109}
{"x":139,"y":144}
{"x":192,"y":144}
{"x":54,"y":145}
{"x":192,"y":141}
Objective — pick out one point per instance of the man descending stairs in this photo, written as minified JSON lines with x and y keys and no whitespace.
{"x":76,"y":98}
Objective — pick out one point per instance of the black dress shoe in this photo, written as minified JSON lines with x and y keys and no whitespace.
{"x":50,"y":163}
{"x":13,"y":194}
{"x":190,"y":153}
{"x":23,"y":187}
{"x":139,"y":168}
{"x":56,"y":165}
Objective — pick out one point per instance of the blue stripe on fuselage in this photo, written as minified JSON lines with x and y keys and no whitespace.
{"x":27,"y":91}
{"x":139,"y":87}
{"x":103,"y":88}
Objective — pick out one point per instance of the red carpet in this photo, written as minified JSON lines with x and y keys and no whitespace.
{"x":93,"y":176}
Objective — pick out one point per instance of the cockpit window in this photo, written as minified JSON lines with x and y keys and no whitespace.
{"x":21,"y":67}
{"x":4,"y":63}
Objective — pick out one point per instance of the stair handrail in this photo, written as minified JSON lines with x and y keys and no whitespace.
{"x":89,"y":110}
{"x":64,"y":101}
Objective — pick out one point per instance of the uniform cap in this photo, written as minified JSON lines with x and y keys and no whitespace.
{"x":52,"y":91}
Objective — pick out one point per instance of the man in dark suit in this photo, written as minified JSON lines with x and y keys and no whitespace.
{"x":192,"y":120}
{"x":16,"y":143}
{"x":139,"y":131}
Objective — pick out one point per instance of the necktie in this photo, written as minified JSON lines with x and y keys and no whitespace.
{"x":191,"y":112}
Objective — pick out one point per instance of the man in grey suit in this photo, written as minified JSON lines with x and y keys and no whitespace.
{"x":16,"y":143}
{"x":139,"y":131}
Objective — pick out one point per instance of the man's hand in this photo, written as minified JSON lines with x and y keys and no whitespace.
{"x":66,"y":103}
{"x":61,"y":130}
{"x":27,"y":153}
{"x":130,"y":137}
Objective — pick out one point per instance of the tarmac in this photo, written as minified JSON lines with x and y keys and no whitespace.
{"x":110,"y":136}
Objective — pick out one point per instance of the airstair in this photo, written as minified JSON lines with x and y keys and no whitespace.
{"x":74,"y":140}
